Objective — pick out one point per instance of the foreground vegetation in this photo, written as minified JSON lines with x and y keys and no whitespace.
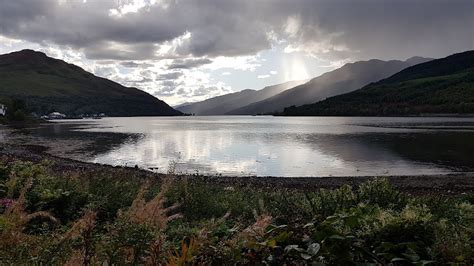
{"x":48,"y":217}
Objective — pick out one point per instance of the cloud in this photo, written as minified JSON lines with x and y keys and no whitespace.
{"x":176,"y":44}
{"x":244,"y":63}
{"x":120,"y":51}
{"x":270,"y":73}
{"x":131,"y":64}
{"x":170,"y":75}
{"x":203,"y":91}
{"x":188,"y":63}
{"x":221,"y":28}
{"x":110,"y":31}
{"x":105,"y":71}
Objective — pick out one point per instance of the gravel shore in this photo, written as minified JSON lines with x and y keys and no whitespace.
{"x":451,"y":184}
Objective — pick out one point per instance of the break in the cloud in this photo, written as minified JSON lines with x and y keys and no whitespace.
{"x":191,"y":50}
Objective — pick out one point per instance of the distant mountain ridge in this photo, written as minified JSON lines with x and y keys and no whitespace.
{"x":47,"y":84}
{"x":182,"y":104}
{"x":348,"y":78}
{"x":223,"y":104}
{"x":441,"y":86}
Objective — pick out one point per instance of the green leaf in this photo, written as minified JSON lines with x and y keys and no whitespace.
{"x":277,"y":227}
{"x":308,"y":225}
{"x":291,"y":248}
{"x":397,"y":259}
{"x":352,"y":221}
{"x":387,"y":245}
{"x":271,"y":243}
{"x":426,"y":262}
{"x":313,"y":249}
{"x":338,"y":237}
{"x":331,"y":219}
{"x":412,"y":257}
{"x":282,"y":237}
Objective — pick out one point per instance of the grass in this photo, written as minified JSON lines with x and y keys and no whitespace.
{"x":112,"y":218}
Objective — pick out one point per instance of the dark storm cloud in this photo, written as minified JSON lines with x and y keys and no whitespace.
{"x":106,"y":50}
{"x":392,"y":29}
{"x":332,"y":29}
{"x":188,"y":63}
{"x":91,"y":26}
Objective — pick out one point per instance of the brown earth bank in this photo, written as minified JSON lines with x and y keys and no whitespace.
{"x":449,"y":184}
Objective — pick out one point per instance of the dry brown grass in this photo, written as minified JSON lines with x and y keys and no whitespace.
{"x":153,"y":213}
{"x":155,"y":251}
{"x":251,"y":235}
{"x":185,"y":256}
{"x":16,"y":218}
{"x":83,"y":228}
{"x":258,"y":229}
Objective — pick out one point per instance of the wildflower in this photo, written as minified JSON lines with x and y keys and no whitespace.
{"x":6,"y":203}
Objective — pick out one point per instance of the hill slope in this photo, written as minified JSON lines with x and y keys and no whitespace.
{"x":47,"y":84}
{"x":220,"y":105}
{"x":342,"y":80}
{"x":442,"y":86}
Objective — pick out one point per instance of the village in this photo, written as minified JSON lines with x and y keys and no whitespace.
{"x":3,"y":110}
{"x":55,"y":115}
{"x":58,"y":115}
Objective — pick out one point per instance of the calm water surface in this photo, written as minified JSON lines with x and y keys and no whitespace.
{"x":274,"y":146}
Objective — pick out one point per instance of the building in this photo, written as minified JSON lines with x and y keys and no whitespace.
{"x":3,"y":110}
{"x":56,"y":115}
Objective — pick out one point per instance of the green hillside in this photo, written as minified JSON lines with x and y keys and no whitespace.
{"x":442,"y":86}
{"x":47,"y":84}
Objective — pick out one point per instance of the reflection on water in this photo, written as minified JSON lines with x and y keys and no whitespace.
{"x":276,"y":146}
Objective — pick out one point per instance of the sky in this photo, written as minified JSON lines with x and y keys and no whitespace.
{"x":190,"y":50}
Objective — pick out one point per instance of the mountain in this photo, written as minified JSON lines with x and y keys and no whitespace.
{"x":349,"y":77}
{"x":182,"y":104}
{"x":442,"y":86}
{"x":220,"y":105}
{"x":46,"y":84}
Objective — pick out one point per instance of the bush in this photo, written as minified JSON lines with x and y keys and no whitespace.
{"x":110,"y":217}
{"x":381,"y":193}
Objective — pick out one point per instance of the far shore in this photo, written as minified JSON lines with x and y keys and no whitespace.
{"x":467,"y":115}
{"x":449,"y":184}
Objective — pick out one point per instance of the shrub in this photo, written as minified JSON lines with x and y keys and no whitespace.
{"x":327,"y":202}
{"x":381,"y":193}
{"x":110,"y":217}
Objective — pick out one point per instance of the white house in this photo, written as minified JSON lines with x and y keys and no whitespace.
{"x":3,"y":110}
{"x":56,"y":115}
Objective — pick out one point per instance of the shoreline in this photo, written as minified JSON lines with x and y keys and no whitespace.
{"x":441,"y":184}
